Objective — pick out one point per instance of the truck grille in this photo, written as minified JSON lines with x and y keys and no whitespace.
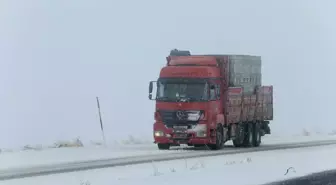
{"x":170,"y":119}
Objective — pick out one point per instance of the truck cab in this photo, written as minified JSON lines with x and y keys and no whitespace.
{"x":188,"y":102}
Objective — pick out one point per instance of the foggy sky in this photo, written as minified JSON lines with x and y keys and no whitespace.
{"x":57,"y":56}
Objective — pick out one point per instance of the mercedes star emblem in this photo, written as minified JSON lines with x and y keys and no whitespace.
{"x":181,"y":115}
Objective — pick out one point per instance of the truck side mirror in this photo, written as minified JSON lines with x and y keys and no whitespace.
{"x":150,"y":90}
{"x":150,"y":87}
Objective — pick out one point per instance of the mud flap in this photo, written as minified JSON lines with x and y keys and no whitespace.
{"x":265,"y":128}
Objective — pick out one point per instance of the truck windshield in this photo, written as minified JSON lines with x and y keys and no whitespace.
{"x":181,"y":91}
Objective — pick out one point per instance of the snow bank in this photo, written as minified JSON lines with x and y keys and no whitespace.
{"x":77,"y":142}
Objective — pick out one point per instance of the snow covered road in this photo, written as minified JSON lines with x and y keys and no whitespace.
{"x":239,"y":169}
{"x":25,"y":159}
{"x":103,"y":163}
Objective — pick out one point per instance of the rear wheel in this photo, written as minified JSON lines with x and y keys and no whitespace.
{"x":238,"y":141}
{"x":256,"y":134}
{"x":163,"y":146}
{"x":249,"y":135}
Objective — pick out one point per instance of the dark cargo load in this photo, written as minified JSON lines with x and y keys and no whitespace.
{"x":245,"y":71}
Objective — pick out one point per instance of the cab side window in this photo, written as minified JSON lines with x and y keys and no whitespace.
{"x":218,"y":92}
{"x":214,"y":92}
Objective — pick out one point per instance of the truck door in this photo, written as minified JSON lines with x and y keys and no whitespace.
{"x":215,"y":103}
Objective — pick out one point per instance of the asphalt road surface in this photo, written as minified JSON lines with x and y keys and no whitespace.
{"x":320,"y":178}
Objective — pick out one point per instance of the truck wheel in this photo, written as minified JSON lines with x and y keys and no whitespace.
{"x":248,"y":139}
{"x":219,"y":140}
{"x":237,"y":143}
{"x":256,"y":135}
{"x":239,"y":139}
{"x":163,"y":146}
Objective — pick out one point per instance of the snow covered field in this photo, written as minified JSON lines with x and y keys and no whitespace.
{"x":64,"y":155}
{"x":238,"y":169}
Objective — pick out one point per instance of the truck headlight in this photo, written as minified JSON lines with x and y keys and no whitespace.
{"x":201,"y":134}
{"x":158,"y":133}
{"x":194,"y":115}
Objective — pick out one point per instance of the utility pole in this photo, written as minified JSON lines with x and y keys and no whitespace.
{"x":101,"y":121}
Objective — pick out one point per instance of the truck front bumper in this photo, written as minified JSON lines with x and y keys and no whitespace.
{"x":189,"y":141}
{"x":177,"y":136}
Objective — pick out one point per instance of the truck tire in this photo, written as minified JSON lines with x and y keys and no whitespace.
{"x":249,"y":135}
{"x":238,"y":141}
{"x":163,"y":146}
{"x":256,"y":134}
{"x":219,"y":140}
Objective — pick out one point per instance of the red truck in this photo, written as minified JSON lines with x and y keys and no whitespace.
{"x":206,"y":100}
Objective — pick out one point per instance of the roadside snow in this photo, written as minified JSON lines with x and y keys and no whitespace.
{"x":29,"y":158}
{"x":269,"y":139}
{"x":65,"y":155}
{"x":239,"y":169}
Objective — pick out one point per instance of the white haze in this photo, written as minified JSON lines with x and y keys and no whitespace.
{"x":57,"y":56}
